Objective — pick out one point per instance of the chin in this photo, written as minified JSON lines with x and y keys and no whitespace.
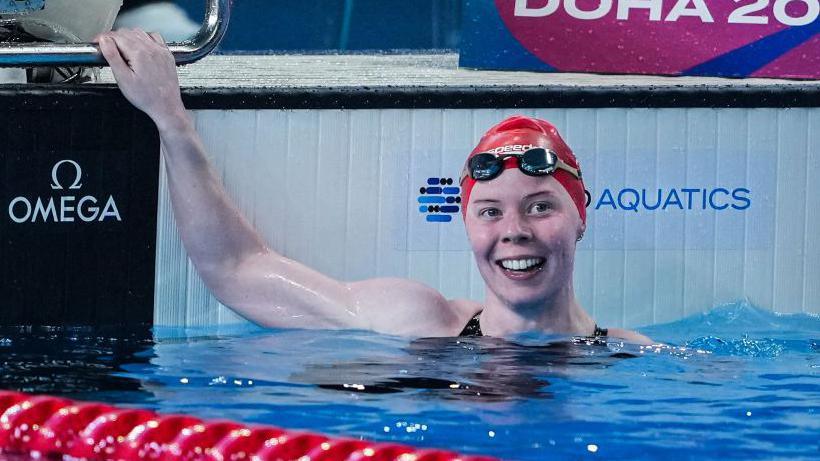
{"x":523,"y":301}
{"x":534,"y":293}
{"x":518,"y":295}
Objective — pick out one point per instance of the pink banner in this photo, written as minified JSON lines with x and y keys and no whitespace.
{"x":772,"y":38}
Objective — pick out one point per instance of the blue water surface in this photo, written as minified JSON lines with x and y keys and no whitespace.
{"x":736,"y":382}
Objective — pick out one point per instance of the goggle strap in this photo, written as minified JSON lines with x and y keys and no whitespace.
{"x":565,"y":166}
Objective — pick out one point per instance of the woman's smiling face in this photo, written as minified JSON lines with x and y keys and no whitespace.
{"x":523,"y":231}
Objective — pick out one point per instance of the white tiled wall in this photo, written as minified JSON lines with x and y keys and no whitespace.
{"x":337,"y":190}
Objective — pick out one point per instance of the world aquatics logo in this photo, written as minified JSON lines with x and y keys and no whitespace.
{"x":439,"y":200}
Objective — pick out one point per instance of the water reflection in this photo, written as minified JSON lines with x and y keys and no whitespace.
{"x":486,"y":369}
{"x":85,"y":363}
{"x":76,"y":362}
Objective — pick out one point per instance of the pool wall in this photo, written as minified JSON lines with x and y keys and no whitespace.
{"x":340,"y":191}
{"x":702,"y":191}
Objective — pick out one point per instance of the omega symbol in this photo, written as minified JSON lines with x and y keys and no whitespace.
{"x":78,"y":175}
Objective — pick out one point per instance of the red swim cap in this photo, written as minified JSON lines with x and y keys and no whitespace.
{"x":523,"y":131}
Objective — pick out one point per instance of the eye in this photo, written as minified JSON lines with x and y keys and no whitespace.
{"x":489,"y":213}
{"x":539,"y":208}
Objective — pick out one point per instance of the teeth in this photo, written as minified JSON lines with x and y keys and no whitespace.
{"x":519,"y":264}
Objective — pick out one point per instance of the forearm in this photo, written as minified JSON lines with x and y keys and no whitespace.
{"x":216,"y":235}
{"x":229,"y":254}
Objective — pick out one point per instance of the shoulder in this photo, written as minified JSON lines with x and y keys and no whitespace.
{"x":406,"y":307}
{"x":629,"y":336}
{"x":466,"y":308}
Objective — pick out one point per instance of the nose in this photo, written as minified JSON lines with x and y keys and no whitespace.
{"x":517,"y":230}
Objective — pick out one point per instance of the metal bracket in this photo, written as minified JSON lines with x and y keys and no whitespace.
{"x":217,"y":17}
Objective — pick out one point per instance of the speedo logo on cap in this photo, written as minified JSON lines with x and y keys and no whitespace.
{"x":511,"y":148}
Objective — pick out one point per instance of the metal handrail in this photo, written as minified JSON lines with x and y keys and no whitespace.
{"x":217,"y":16}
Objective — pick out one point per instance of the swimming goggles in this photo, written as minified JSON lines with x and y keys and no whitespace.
{"x":533,"y":162}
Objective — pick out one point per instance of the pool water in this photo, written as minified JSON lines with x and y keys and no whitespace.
{"x":736,"y":382}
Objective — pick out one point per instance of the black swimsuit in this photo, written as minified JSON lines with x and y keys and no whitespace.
{"x":473,"y":328}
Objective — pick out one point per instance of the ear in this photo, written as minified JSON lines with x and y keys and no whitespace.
{"x":581,"y":230}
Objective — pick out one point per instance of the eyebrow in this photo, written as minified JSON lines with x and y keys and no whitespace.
{"x":526,"y":197}
{"x":542,"y":192}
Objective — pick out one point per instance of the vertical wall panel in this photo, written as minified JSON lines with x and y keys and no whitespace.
{"x":363,"y":202}
{"x":580,"y":123}
{"x":170,"y":294}
{"x":331,"y":190}
{"x":668,"y":302}
{"x":338,"y":191}
{"x":811,"y":232}
{"x":457,"y":142}
{"x":758,"y":276}
{"x":731,"y":172}
{"x":699,"y":233}
{"x":426,"y":145}
{"x":269,"y":176}
{"x":395,"y":132}
{"x":611,"y":137}
{"x":300,"y":184}
{"x":791,"y":211}
{"x":639,"y":262}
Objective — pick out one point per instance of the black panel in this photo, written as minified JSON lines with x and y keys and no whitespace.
{"x":86,"y":253}
{"x":445,"y":97}
{"x":519,"y":97}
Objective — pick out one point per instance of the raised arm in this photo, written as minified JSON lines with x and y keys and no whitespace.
{"x":229,"y":254}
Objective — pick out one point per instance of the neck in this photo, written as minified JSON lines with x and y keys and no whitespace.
{"x":560,"y":314}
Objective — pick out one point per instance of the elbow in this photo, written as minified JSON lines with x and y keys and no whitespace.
{"x":222,"y":285}
{"x":222,"y":278}
{"x":217,"y":277}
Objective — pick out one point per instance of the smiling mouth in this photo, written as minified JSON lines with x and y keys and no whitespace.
{"x":522,"y":265}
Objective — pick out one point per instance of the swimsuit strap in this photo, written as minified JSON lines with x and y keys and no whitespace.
{"x":473,"y":327}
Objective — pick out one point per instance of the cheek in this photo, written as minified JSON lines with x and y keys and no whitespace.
{"x":560,"y":240}
{"x":478,"y":236}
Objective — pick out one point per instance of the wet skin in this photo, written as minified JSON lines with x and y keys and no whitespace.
{"x":514,"y":217}
{"x":532,"y":220}
{"x":531,"y":217}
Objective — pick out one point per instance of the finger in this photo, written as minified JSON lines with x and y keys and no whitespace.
{"x":129,"y":44}
{"x":99,"y":37}
{"x":129,"y":37}
{"x":157,"y":37}
{"x":141,"y":34}
{"x":111,"y":51}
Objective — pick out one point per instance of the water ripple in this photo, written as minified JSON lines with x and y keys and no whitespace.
{"x":733,"y":383}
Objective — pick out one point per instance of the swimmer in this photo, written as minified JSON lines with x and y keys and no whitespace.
{"x":523,"y":206}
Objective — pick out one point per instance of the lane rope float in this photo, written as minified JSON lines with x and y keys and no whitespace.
{"x":46,"y":427}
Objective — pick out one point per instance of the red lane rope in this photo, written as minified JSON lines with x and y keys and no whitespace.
{"x":44,"y":426}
